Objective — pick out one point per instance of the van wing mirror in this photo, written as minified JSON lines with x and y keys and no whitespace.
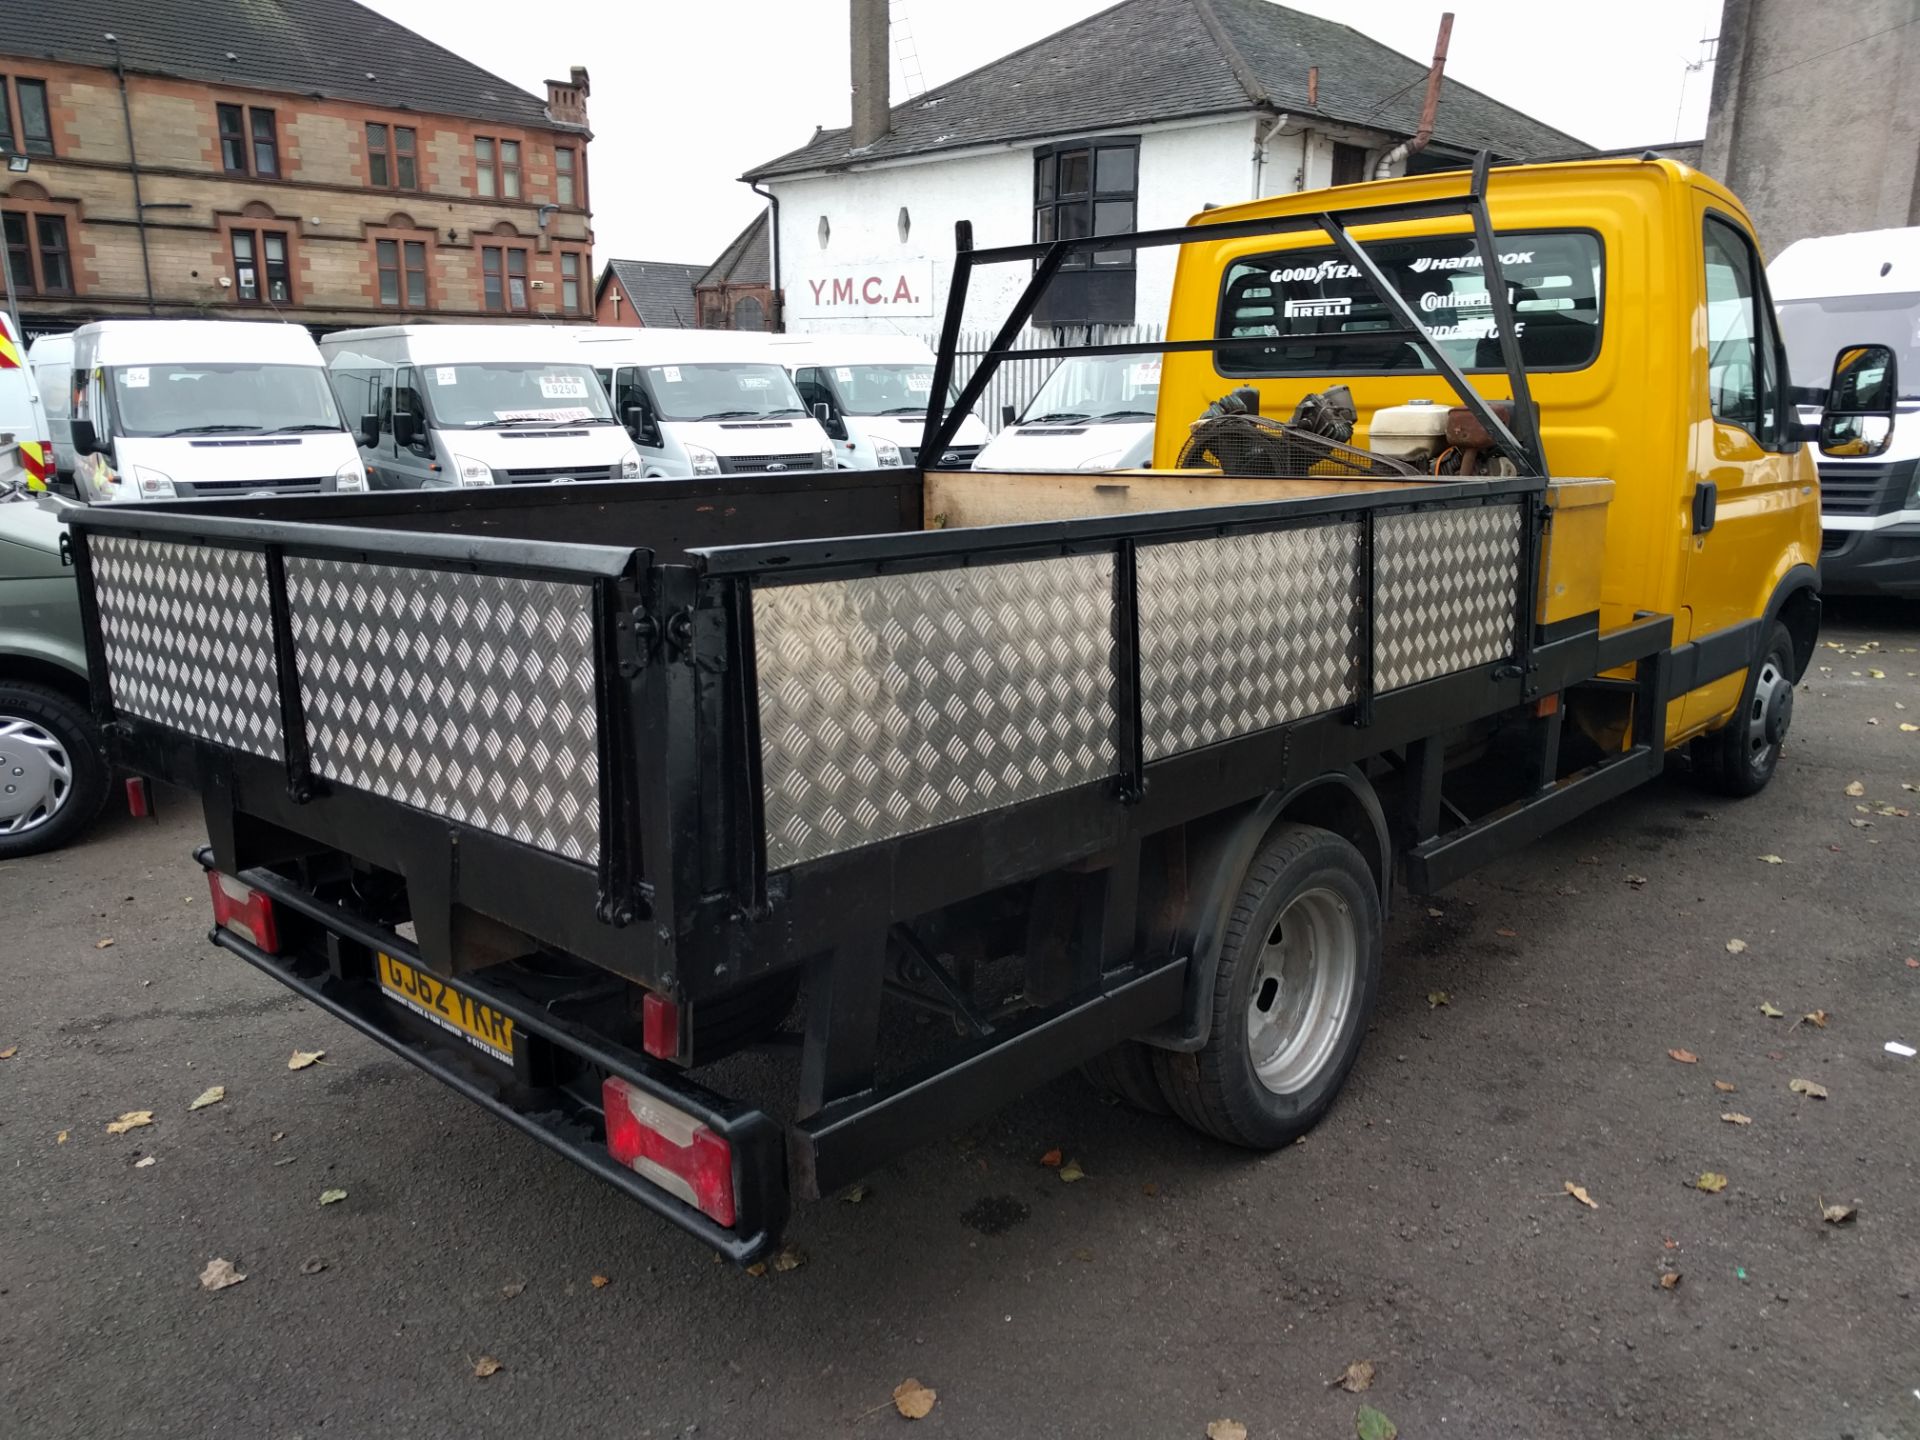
{"x":404,"y":431}
{"x":85,"y":440}
{"x":641,"y":425}
{"x":370,"y":430}
{"x":829,"y":422}
{"x":1857,"y":421}
{"x":1007,"y":414}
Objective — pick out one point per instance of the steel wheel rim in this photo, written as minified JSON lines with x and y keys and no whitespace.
{"x":1303,"y":987}
{"x":36,"y":775}
{"x":1765,"y":687}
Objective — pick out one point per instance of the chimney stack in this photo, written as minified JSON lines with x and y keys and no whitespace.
{"x":872,"y":43}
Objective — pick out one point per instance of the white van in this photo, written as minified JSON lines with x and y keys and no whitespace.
{"x":870,"y":392}
{"x":26,"y":454}
{"x":1834,"y":292}
{"x":451,"y":405}
{"x":51,"y":360}
{"x":204,"y":407}
{"x":1095,"y":412}
{"x":705,"y":402}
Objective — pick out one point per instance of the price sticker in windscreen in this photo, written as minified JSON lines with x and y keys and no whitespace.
{"x":563,"y":387}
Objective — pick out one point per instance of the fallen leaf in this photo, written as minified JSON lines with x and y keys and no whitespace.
{"x":1370,"y":1424}
{"x":1838,"y":1214}
{"x":1816,"y":1018}
{"x":1812,"y":1089}
{"x":1355,"y":1378}
{"x":1877,"y":674}
{"x":1226,"y":1430}
{"x":513,"y":1288}
{"x":600,"y":1282}
{"x":9,"y":1052}
{"x":132,"y":1120}
{"x":1860,"y":824}
{"x":144,"y":1162}
{"x":1734,"y":1117}
{"x":913,"y":1400}
{"x":1433,"y":914}
{"x":312,"y":1266}
{"x":1636,"y":881}
{"x":1710,"y":1182}
{"x":1770,"y":1010}
{"x":1736,"y":947}
{"x":1437,"y":998}
{"x":1856,"y":788}
{"x":1506,"y":934}
{"x":301,"y":1059}
{"x":61,"y":1138}
{"x":1150,"y":1188}
{"x":219,"y":1274}
{"x":1071,"y":1172}
{"x":1083,"y":1255}
{"x":212,"y":1095}
{"x":1909,"y":726}
{"x":1670,"y":1280}
{"x":1685,"y":1057}
{"x":1052,"y":1159}
{"x":1579,"y":1192}
{"x":789,"y":1258}
{"x":757,"y":1269}
{"x":332,"y":1197}
{"x":1771,"y":860}
{"x":855,"y":1193}
{"x":1725,"y":1087}
{"x":108,"y":945}
{"x":486,"y":1365}
{"x":1912,"y":963}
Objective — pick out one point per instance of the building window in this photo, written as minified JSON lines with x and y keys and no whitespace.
{"x":38,"y":255}
{"x":260,"y":258}
{"x":1349,"y":164}
{"x":390,"y":157}
{"x":749,"y":314}
{"x":497,"y":167}
{"x":563,"y":186}
{"x":403,"y":273}
{"x":1080,"y":189}
{"x":510,"y":169}
{"x":34,"y":135}
{"x":238,"y":155}
{"x":570,"y":282}
{"x":503,"y":268}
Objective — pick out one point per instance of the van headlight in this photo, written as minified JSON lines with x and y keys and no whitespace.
{"x":627,"y":467}
{"x":350,"y":477}
{"x":703,"y":460}
{"x":153,"y":485}
{"x":827,"y":461}
{"x":886,"y":454}
{"x":472,"y":472}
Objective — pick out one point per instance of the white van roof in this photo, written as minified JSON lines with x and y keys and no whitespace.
{"x":1866,"y":262}
{"x":795,"y":350}
{"x":466,"y":344}
{"x":194,"y":342}
{"x":51,"y":350}
{"x":656,"y":345}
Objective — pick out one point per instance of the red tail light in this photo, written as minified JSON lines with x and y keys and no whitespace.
{"x":244,"y":911}
{"x":670,"y":1148}
{"x":659,"y":1027}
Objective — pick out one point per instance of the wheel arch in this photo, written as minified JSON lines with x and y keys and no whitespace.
{"x":1796,"y":604}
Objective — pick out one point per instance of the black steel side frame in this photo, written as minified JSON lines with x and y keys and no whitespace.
{"x":1521,"y":442}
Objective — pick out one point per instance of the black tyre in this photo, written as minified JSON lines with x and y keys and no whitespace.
{"x":1298,"y":974}
{"x":53,"y":770}
{"x":1740,"y":758}
{"x":1126,"y":1072}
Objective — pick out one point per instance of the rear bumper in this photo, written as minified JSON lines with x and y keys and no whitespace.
{"x":553,"y":1092}
{"x":1871,"y":562}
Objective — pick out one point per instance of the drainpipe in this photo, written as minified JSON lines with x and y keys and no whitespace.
{"x":1262,"y":133}
{"x":1384,"y":170}
{"x":778,"y":320}
{"x":133,"y":166}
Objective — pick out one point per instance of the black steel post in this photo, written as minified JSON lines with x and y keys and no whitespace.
{"x":1526,"y":426}
{"x":976,"y":385}
{"x":937,"y":417}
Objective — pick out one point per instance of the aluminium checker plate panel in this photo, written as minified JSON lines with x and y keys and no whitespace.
{"x":468,"y":696}
{"x":188,"y":634}
{"x":1446,"y":591}
{"x":890,"y":704}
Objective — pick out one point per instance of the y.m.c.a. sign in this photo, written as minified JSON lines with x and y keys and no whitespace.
{"x":896,"y":287}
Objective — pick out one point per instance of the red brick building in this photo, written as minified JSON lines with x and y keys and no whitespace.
{"x":261,"y":167}
{"x":646,"y":292}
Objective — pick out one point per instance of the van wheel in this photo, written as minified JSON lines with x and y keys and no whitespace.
{"x":1126,"y":1072}
{"x":1740,"y":758}
{"x":1297,"y":976}
{"x":53,"y":769}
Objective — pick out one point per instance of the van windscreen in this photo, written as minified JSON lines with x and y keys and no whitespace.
{"x":1295,"y":296}
{"x":733,"y":391}
{"x":206,"y":399}
{"x":479,"y":394}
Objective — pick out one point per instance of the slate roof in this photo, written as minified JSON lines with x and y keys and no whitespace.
{"x":1149,"y":60}
{"x":304,"y":47}
{"x":660,"y":291}
{"x":747,"y":260}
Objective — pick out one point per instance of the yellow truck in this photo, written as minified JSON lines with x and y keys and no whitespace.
{"x":567,"y":798}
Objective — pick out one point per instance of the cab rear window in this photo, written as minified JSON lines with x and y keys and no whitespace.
{"x":1295,"y":297}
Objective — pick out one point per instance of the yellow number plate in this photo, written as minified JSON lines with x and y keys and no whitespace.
{"x":481,"y":1026}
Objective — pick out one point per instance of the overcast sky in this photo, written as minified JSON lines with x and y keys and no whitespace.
{"x":687,"y":96}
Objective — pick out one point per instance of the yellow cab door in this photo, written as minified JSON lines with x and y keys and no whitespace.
{"x":1738,"y":515}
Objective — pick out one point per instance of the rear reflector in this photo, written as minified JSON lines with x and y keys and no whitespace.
{"x":670,"y":1148}
{"x":139,"y":803}
{"x":244,"y":911}
{"x":659,"y":1027}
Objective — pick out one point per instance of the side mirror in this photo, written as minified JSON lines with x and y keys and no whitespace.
{"x":370,"y":430}
{"x":1007,"y":415}
{"x":1857,"y":421}
{"x":835,"y":427}
{"x":404,"y":429}
{"x":641,"y":425}
{"x":86,"y":441}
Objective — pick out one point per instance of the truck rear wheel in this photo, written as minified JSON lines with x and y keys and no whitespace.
{"x":1298,"y":972}
{"x":53,"y":769}
{"x":1740,"y":758}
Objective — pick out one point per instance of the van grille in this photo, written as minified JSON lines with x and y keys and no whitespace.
{"x":554,"y":472}
{"x":1864,"y":489}
{"x":311,"y":486}
{"x":954,"y":457}
{"x":753,"y":464}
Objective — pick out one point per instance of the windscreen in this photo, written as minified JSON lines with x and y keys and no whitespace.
{"x":1816,"y":331}
{"x":212,"y":399}
{"x":884,"y":389}
{"x":513,"y":392}
{"x":1553,"y":283}
{"x":735,"y":391}
{"x":1095,"y":388}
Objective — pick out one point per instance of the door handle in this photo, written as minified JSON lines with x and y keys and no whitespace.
{"x":1706,"y":505}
